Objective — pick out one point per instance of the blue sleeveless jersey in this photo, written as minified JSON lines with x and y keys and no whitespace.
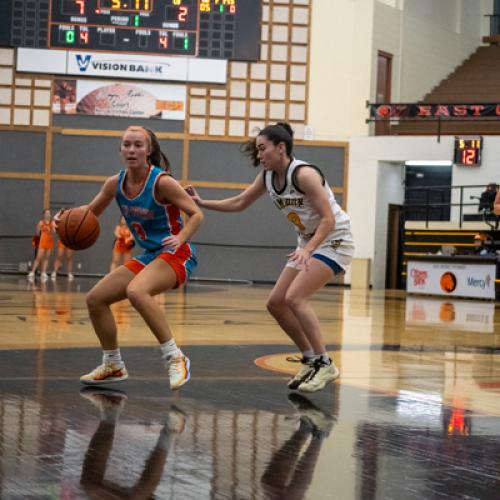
{"x":149,"y":220}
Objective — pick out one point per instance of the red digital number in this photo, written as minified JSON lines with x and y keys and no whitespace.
{"x":84,"y":37}
{"x":469,"y":156}
{"x":183,"y":11}
{"x":81,"y":5}
{"x":164,"y":42}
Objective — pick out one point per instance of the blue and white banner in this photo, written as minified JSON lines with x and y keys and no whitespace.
{"x":451,"y":278}
{"x":114,"y":65}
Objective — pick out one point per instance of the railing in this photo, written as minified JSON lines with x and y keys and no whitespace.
{"x":460,"y":198}
{"x":494,"y":24}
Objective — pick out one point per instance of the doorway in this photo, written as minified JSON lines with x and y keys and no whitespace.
{"x":383,"y":90}
{"x":393,"y":254}
{"x":427,"y":192}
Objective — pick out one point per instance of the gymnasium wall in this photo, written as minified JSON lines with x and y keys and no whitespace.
{"x":428,"y":39}
{"x":247,"y":246}
{"x":376,"y":173}
{"x":66,"y":158}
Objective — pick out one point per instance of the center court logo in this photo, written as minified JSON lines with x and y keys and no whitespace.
{"x":108,"y":65}
{"x":448,"y":282}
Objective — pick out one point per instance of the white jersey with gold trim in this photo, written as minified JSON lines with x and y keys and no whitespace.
{"x":298,"y":209}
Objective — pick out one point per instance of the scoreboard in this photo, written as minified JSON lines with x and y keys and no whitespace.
{"x":226,"y":29}
{"x":467,"y":151}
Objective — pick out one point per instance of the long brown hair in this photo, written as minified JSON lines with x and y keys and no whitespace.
{"x":280,"y":132}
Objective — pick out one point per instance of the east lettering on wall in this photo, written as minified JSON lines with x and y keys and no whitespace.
{"x":401,"y":111}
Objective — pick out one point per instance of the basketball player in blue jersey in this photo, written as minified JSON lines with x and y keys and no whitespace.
{"x":325,"y":244}
{"x":151,"y":202}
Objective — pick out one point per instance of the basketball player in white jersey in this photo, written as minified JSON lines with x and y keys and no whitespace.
{"x":324,"y":244}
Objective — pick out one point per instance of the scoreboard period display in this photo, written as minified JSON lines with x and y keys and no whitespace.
{"x":226,"y":29}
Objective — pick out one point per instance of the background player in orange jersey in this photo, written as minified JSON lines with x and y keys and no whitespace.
{"x":122,"y":247}
{"x":45,"y":228}
{"x":63,"y":253}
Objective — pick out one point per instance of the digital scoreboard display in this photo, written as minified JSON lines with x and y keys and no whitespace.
{"x":226,"y":29}
{"x":468,"y":151}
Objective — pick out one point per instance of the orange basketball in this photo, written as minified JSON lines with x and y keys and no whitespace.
{"x":78,"y":228}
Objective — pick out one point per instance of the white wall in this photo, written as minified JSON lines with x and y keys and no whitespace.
{"x":374,"y":173}
{"x":428,"y":39}
{"x":340,"y":67}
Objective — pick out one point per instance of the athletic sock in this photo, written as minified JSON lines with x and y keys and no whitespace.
{"x":323,"y":358}
{"x":307,"y":355}
{"x":169,"y":349}
{"x":112,"y":356}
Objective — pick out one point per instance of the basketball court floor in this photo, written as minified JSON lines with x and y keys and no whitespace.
{"x":415,"y":413}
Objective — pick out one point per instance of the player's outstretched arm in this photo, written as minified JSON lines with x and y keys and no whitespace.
{"x":236,"y":203}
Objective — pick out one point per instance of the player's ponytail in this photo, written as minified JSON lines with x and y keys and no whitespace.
{"x":157,"y":157}
{"x":249,"y":149}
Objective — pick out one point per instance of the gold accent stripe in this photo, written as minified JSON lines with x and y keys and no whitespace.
{"x":434,"y":244}
{"x":440,"y":233}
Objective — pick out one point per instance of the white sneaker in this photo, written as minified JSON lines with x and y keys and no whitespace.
{"x":53,"y":276}
{"x":44,"y":277}
{"x":321,"y":375}
{"x":31,"y":276}
{"x":178,"y":371}
{"x":70,"y":277}
{"x":306,"y":368}
{"x":105,"y":374}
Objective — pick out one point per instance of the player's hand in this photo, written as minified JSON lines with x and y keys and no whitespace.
{"x":57,"y":217}
{"x":172,"y":243}
{"x":191,"y":191}
{"x":300,"y":256}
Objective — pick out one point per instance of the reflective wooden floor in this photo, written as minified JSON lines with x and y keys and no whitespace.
{"x":415,"y":413}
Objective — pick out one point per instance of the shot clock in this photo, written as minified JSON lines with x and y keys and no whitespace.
{"x":225,"y":29}
{"x":468,"y":151}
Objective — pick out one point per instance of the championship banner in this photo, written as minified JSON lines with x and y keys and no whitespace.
{"x":452,"y":279}
{"x":432,"y":112}
{"x":131,"y":100}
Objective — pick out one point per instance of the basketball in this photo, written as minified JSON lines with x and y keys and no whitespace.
{"x":78,"y":228}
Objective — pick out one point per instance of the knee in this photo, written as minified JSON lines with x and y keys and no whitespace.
{"x":93,"y":300}
{"x":135,"y":294}
{"x":275,"y":304}
{"x":293,"y":301}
